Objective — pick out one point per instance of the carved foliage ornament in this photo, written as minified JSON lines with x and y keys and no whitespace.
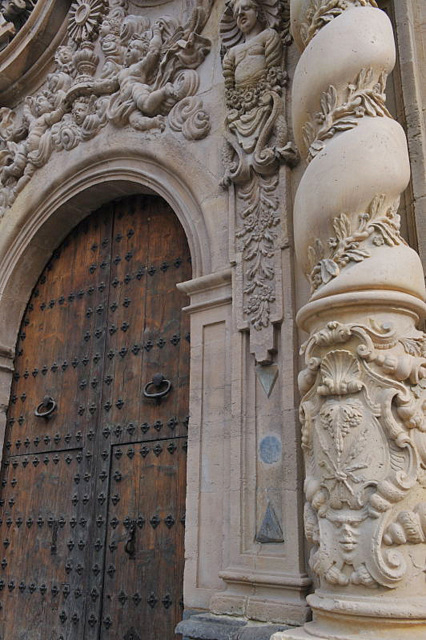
{"x":321,"y":13}
{"x":342,"y":112}
{"x":352,"y":243}
{"x":364,"y":437}
{"x":116,"y":68}
{"x":253,"y":38}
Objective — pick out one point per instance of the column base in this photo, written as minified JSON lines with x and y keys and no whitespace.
{"x":352,"y":628}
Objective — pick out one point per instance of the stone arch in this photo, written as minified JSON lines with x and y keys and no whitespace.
{"x":42,"y":217}
{"x":60,"y":195}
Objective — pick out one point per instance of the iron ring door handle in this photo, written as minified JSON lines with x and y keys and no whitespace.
{"x":45,"y":408}
{"x":159,"y":383}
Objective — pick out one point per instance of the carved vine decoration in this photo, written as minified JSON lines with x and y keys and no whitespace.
{"x":364,"y":97}
{"x":116,"y":68}
{"x":353,"y":243}
{"x":320,"y":13}
{"x":253,"y":38}
{"x":363,"y":386}
{"x":13,"y":16}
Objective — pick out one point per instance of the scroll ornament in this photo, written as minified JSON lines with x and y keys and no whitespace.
{"x":116,"y":68}
{"x":363,"y":386}
{"x":253,"y":38}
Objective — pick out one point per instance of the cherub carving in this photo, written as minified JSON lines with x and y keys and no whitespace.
{"x":40,"y":113}
{"x":252,"y":68}
{"x":146,"y":71}
{"x":137,"y":102}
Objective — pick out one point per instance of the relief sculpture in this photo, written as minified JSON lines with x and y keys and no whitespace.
{"x":253,"y":38}
{"x":363,"y":386}
{"x":116,"y":68}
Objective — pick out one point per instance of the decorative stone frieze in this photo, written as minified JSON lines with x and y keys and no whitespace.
{"x":253,"y":38}
{"x":116,"y":68}
{"x":363,"y":387}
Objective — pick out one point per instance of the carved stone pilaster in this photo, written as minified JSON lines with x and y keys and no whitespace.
{"x":363,"y":387}
{"x":254,"y":35}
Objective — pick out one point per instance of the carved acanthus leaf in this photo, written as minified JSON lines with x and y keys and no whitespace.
{"x":189,"y":117}
{"x":322,"y":12}
{"x":341,"y":111}
{"x":408,"y":527}
{"x":354,"y":243}
{"x":258,"y":243}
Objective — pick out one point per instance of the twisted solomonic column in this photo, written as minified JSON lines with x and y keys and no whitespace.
{"x":363,"y":389}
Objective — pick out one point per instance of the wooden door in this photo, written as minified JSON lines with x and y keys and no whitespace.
{"x":93,"y":488}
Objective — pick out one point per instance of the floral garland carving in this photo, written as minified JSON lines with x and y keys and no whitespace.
{"x":148,"y":73}
{"x":321,"y":13}
{"x":379,"y":225}
{"x":342,"y":113}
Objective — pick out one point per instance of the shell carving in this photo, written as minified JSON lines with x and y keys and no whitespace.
{"x":340,"y":374}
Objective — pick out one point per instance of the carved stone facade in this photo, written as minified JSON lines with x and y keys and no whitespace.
{"x":265,"y":125}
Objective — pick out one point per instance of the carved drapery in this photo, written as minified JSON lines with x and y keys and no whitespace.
{"x":116,"y":68}
{"x":363,"y":388}
{"x":254,"y":35}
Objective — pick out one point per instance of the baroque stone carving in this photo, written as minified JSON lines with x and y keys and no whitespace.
{"x":377,"y":226}
{"x":363,"y":388}
{"x":356,"y":398}
{"x":342,"y":112}
{"x":189,"y":117}
{"x":321,"y":13}
{"x":115,"y":68}
{"x":253,"y":35}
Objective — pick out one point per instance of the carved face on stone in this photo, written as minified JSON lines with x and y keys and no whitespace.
{"x":347,"y":525}
{"x":246,"y":14}
{"x":42,"y":104}
{"x":136,"y":50}
{"x":80,"y":110}
{"x":63,"y":55}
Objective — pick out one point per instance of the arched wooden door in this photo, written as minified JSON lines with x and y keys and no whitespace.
{"x":93,"y":488}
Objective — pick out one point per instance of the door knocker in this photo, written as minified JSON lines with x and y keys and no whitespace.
{"x":45,"y":408}
{"x":157,"y":388}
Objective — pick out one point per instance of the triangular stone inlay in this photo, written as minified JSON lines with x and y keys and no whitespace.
{"x":267,"y":377}
{"x":270,"y":529}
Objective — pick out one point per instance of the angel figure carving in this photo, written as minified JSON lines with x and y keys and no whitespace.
{"x":254,"y":78}
{"x":158,"y":70}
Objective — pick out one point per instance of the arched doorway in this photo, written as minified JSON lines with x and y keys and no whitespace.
{"x":93,"y":487}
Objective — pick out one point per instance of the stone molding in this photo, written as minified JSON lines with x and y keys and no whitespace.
{"x":363,"y":388}
{"x":209,"y":291}
{"x":29,"y":44}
